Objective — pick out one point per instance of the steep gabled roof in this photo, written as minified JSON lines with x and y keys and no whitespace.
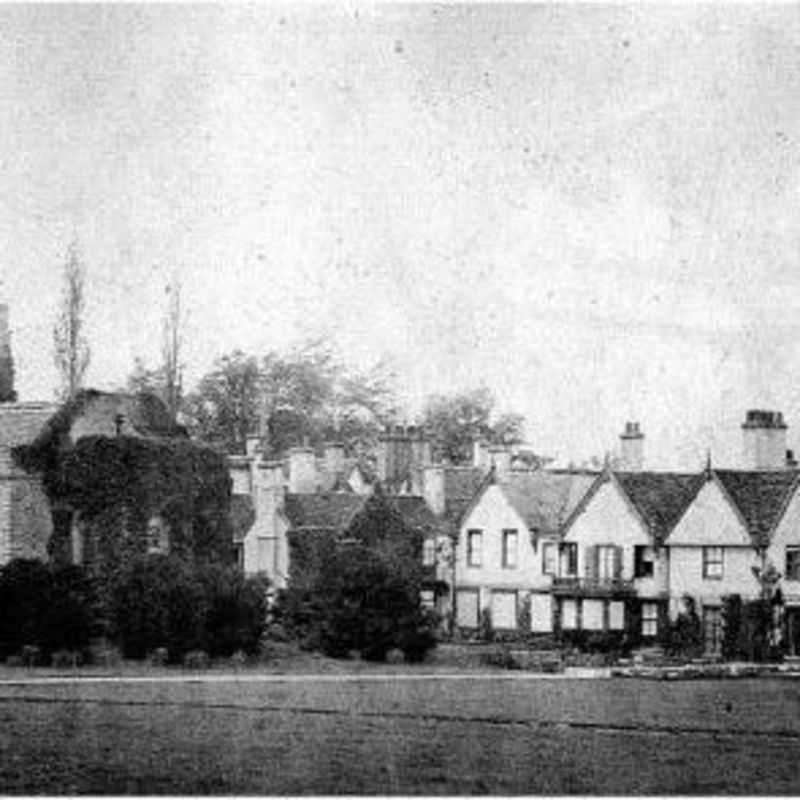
{"x":760,"y":498}
{"x":322,"y":510}
{"x":461,"y":484}
{"x":416,"y":512}
{"x":21,"y":423}
{"x":660,"y":498}
{"x":242,"y":516}
{"x":546,"y":498}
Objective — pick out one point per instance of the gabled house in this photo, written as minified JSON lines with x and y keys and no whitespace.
{"x":723,"y":536}
{"x":506,"y":547}
{"x":613,"y":567}
{"x":25,"y":521}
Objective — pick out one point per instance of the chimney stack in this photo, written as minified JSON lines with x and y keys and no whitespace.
{"x":480,"y":455}
{"x":302,"y":471}
{"x":333,"y":460}
{"x":500,"y":459}
{"x":631,"y":448}
{"x":764,"y":440}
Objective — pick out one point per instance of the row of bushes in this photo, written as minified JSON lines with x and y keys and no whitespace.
{"x":154,"y":602}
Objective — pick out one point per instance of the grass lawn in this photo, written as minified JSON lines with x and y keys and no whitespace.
{"x":475,"y":735}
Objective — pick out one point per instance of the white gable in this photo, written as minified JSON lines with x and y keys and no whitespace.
{"x":493,"y":510}
{"x":787,"y":532}
{"x":710,"y":520}
{"x":607,"y":517}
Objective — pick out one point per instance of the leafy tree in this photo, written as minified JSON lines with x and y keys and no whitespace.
{"x":71,"y":349}
{"x":7,"y":393}
{"x":366,"y":594}
{"x":224,"y":409}
{"x":456,"y":421}
{"x":24,"y":597}
{"x":305,"y":396}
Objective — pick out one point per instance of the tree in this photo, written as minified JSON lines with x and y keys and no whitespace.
{"x":365,"y":593}
{"x":71,"y":348}
{"x":171,"y":349}
{"x":304,"y":396}
{"x":7,"y":393}
{"x":456,"y":421}
{"x":224,"y":409}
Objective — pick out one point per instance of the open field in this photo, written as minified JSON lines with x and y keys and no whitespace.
{"x":369,"y":734}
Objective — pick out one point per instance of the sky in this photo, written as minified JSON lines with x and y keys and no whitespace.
{"x":591,"y":210}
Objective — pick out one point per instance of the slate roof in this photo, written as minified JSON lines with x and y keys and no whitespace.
{"x":322,"y":510}
{"x":545,"y":498}
{"x":461,"y":484}
{"x":660,"y":498}
{"x":759,"y":497}
{"x":242,"y":515}
{"x":21,"y":423}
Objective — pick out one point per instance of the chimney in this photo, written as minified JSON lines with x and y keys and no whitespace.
{"x":500,"y":459}
{"x":480,"y":455}
{"x":240,"y":469}
{"x":302,"y":470}
{"x":253,"y":445}
{"x":333,"y":460}
{"x":631,"y":457}
{"x":764,"y":440}
{"x":791,"y":461}
{"x":433,"y":488}
{"x":394,"y":454}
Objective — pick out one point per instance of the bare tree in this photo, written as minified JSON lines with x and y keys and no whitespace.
{"x":71,"y":350}
{"x":171,"y":348}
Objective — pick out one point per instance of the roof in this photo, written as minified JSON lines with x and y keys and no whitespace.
{"x":759,"y":497}
{"x":545,"y":498}
{"x":322,"y":510}
{"x":461,"y":484}
{"x":334,"y":511}
{"x":660,"y":498}
{"x":21,"y":423}
{"x":242,"y":515}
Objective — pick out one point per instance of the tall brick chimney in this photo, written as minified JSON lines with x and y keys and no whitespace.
{"x":631,"y":450}
{"x":764,"y":440}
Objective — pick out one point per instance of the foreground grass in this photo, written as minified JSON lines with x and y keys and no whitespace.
{"x":432,"y":736}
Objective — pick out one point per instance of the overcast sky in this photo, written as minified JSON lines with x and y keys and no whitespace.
{"x":593,"y":211}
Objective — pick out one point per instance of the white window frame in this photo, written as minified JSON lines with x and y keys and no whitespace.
{"x":429,"y":552}
{"x":510,"y":535}
{"x":474,"y":554}
{"x":549,"y":558}
{"x":606,"y":562}
{"x":792,"y":575}
{"x":650,"y":620}
{"x":708,"y":562}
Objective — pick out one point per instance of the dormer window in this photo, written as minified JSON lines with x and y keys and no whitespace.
{"x":157,"y":536}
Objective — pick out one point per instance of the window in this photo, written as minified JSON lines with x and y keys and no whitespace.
{"x":549,"y":552}
{"x":429,"y":552}
{"x":712,"y":563}
{"x":474,"y":542}
{"x":157,"y":535}
{"x":642,"y":562}
{"x":509,"y":548}
{"x":649,"y":619}
{"x":606,"y":562}
{"x":426,"y":598}
{"x":467,"y":608}
{"x":569,"y":559}
{"x":793,"y":563}
{"x":504,"y":610}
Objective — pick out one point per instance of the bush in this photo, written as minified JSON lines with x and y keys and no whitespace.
{"x":235,"y":610}
{"x":66,"y":658}
{"x":158,"y":601}
{"x":196,"y":659}
{"x":732,"y":627}
{"x":500,"y":656}
{"x":486,"y":629}
{"x":159,"y":657}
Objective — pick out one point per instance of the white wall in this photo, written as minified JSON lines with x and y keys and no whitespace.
{"x":608,"y":520}
{"x":786,"y":533}
{"x":710,"y":521}
{"x":492,"y":514}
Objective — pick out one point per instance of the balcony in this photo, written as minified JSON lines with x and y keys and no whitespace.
{"x":593,"y":587}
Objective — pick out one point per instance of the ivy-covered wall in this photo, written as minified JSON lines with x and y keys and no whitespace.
{"x":110,"y":488}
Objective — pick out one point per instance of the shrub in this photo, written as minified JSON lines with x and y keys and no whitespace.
{"x":732,"y":627}
{"x":25,"y":590}
{"x":159,"y":657}
{"x":235,"y":610}
{"x":158,"y":601}
{"x":31,"y":655}
{"x":196,"y":659}
{"x":486,"y":629}
{"x":69,"y":621}
{"x":66,"y":658}
{"x":500,"y":656}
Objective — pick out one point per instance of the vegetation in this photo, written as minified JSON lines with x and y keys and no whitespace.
{"x":456,"y":421}
{"x":361,"y":592}
{"x":7,"y":392}
{"x":71,"y":350}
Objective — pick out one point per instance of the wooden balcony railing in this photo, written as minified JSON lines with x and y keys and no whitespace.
{"x":592,"y":586}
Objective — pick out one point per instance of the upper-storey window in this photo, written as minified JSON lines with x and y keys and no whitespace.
{"x":713,"y":564}
{"x":509,"y":548}
{"x":474,"y":548}
{"x":793,"y":563}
